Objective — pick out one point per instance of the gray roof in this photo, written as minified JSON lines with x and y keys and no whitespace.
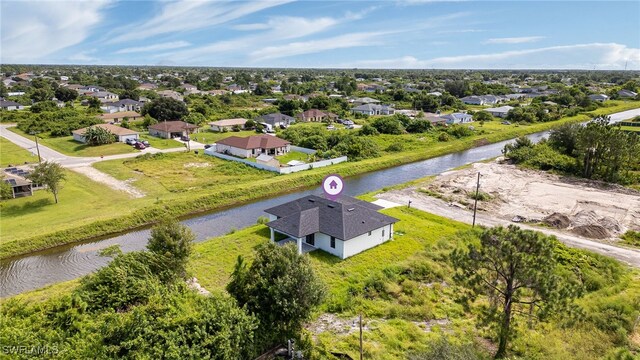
{"x":344,"y":219}
{"x":274,"y":118}
{"x":7,"y":103}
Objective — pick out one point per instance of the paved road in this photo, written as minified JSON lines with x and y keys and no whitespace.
{"x":67,"y":161}
{"x":441,"y":208}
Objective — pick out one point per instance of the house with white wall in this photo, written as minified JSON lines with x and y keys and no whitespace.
{"x":344,"y":227}
{"x":253,"y":146}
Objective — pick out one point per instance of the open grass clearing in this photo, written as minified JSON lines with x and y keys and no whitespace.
{"x":293,"y":155}
{"x":12,"y":154}
{"x":159,"y":143}
{"x":66,"y":145}
{"x":81,"y":201}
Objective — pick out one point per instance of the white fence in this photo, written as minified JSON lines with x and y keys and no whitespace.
{"x":282,"y":170}
{"x":303,"y":150}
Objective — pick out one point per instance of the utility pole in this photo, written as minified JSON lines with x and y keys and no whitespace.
{"x":360,"y":336}
{"x":475,"y":203}
{"x":37,"y":147}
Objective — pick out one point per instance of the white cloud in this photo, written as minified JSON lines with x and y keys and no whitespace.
{"x":580,"y":56}
{"x":421,"y":2}
{"x":190,"y":15}
{"x":84,"y":57}
{"x":459,"y":31}
{"x":156,"y":47}
{"x":32,"y":30}
{"x":514,"y":40}
{"x":315,"y":46}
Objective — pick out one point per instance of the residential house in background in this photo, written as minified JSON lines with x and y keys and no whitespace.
{"x":253,"y":146}
{"x":16,"y":177}
{"x":435,"y":119}
{"x":119,"y":116}
{"x":227,"y":124}
{"x":598,"y":97}
{"x":10,"y":105}
{"x":171,"y":129}
{"x":275,"y":120}
{"x":189,"y":87}
{"x":500,"y":112}
{"x":121,"y":133}
{"x":344,"y":227}
{"x":472,"y":100}
{"x":313,"y":115}
{"x":457,"y":118}
{"x":627,"y":94}
{"x":122,"y":105}
{"x":373,"y":109}
{"x":104,"y":96}
{"x":171,"y":94}
{"x":364,"y":100}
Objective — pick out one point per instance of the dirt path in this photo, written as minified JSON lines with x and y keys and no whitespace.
{"x":515,"y":194}
{"x":108,"y":180}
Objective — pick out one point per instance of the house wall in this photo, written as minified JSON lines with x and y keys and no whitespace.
{"x":323,"y":242}
{"x":233,"y":150}
{"x":158,"y":133}
{"x":79,"y":138}
{"x":123,"y":138}
{"x":365,"y":241}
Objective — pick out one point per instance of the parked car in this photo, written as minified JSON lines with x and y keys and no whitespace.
{"x":206,"y":146}
{"x":506,"y":123}
{"x":139,"y":146}
{"x":331,"y":127}
{"x":269,"y":131}
{"x":348,"y":122}
{"x":283,"y":126}
{"x":185,"y":138}
{"x":145,"y":143}
{"x":130,"y":141}
{"x":350,"y":126}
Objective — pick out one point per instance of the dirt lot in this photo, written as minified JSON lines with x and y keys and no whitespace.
{"x":585,"y":208}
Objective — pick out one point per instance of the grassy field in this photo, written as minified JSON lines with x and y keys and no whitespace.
{"x":630,"y":128}
{"x":159,"y":143}
{"x":66,"y":145}
{"x":293,"y":155}
{"x":169,"y":175}
{"x":164,"y":198}
{"x":613,"y":106}
{"x":81,"y":202}
{"x":13,"y":154}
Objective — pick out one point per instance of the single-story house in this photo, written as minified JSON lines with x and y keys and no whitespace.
{"x":275,"y":119}
{"x":501,"y":111}
{"x":104,"y":96}
{"x":312,"y":115}
{"x":171,"y":129}
{"x":217,"y":92}
{"x":171,"y":94}
{"x":253,"y":146}
{"x":122,"y":105}
{"x":10,"y":105}
{"x":457,"y":118}
{"x":268,"y":160}
{"x":624,"y":93}
{"x":435,"y":119}
{"x":227,"y":124}
{"x":122,"y":134}
{"x":598,"y":97}
{"x":365,"y":100}
{"x":373,"y":109}
{"x":472,"y":100}
{"x":189,"y":87}
{"x":117,"y":117}
{"x":344,"y":227}
{"x":19,"y":185}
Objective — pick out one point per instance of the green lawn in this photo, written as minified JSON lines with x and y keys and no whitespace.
{"x":293,"y":155}
{"x":171,"y":174}
{"x":12,"y":154}
{"x":631,"y":128}
{"x":159,"y":143}
{"x":81,"y":201}
{"x":68,"y":146}
{"x":207,"y":136}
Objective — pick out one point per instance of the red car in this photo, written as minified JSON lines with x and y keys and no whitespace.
{"x":139,"y":146}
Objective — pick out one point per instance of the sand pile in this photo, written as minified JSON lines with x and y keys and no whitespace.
{"x":592,"y":231}
{"x":557,"y":220}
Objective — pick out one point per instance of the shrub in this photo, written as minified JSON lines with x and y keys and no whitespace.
{"x":395,"y":147}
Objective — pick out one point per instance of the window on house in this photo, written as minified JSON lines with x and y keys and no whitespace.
{"x":382,"y":232}
{"x":369,"y":233}
{"x":333,"y":242}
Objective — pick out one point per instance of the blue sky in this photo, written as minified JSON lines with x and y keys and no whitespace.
{"x":365,"y":34}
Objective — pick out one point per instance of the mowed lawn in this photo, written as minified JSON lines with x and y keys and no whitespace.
{"x":293,"y":155}
{"x":159,"y":143}
{"x":81,"y":201}
{"x":170,"y":174}
{"x":66,"y":145}
{"x":12,"y":154}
